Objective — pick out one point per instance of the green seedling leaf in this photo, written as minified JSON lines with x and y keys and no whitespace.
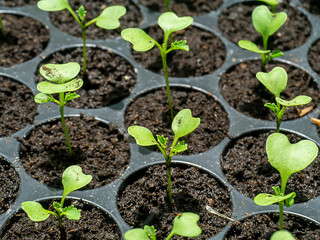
{"x":182,"y":45}
{"x":289,"y":158}
{"x":270,"y":2}
{"x":162,"y":141}
{"x":275,"y":81}
{"x":151,"y":232}
{"x":35,"y":211}
{"x":275,"y":54}
{"x":109,"y":18}
{"x":170,"y":22}
{"x":141,"y":41}
{"x":282,"y":235}
{"x":181,"y":147}
{"x":81,"y":12}
{"x":272,"y":106}
{"x":300,"y":100}
{"x":43,"y":98}
{"x":50,"y":88}
{"x":60,"y":73}
{"x":266,"y":22}
{"x":135,"y":234}
{"x":265,"y":199}
{"x":53,"y":5}
{"x":248,"y":45}
{"x":70,"y":96}
{"x":183,"y":123}
{"x":72,"y":213}
{"x":73,"y":179}
{"x":142,"y":135}
{"x":185,"y":224}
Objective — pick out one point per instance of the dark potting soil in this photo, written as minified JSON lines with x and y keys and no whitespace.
{"x":262,"y":226}
{"x":66,"y":22}
{"x":248,"y":170}
{"x":243,"y":91}
{"x":151,"y":110}
{"x":235,"y":23}
{"x":314,"y":57}
{"x":145,"y":197}
{"x":99,"y":149}
{"x":25,"y":39}
{"x":206,"y":54}
{"x":17,"y":108}
{"x":109,"y":77}
{"x":9,"y":185}
{"x":94,"y":224}
{"x":17,"y":3}
{"x":183,"y":7}
{"x":312,"y":6}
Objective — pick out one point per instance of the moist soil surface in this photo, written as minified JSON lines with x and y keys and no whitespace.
{"x":9,"y":187}
{"x":66,"y":22}
{"x":17,"y":3}
{"x":17,"y":108}
{"x":93,"y":224}
{"x":25,"y":39}
{"x":314,"y":57}
{"x":312,"y":6}
{"x":151,"y":110}
{"x":109,"y":77}
{"x":183,"y":7}
{"x":144,"y":199}
{"x":246,"y":166}
{"x":206,"y":54}
{"x":99,"y":149}
{"x":235,"y":23}
{"x":243,"y":91}
{"x":262,"y":226}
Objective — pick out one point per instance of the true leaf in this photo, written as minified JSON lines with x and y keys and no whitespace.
{"x":43,"y":98}
{"x":170,"y":22}
{"x":185,"y":224}
{"x":151,"y":232}
{"x":282,"y":235}
{"x":275,"y":81}
{"x":135,"y":234}
{"x":81,"y":12}
{"x":140,"y":40}
{"x":72,"y":213}
{"x":275,"y":54}
{"x":289,"y":158}
{"x":272,"y":106}
{"x":265,"y":199}
{"x":142,"y":135}
{"x":181,"y":147}
{"x":183,"y":123}
{"x":299,"y":100}
{"x":53,"y":5}
{"x":266,"y":22}
{"x":50,"y":88}
{"x":71,"y":95}
{"x":73,"y":179}
{"x":182,"y":45}
{"x":109,"y":18}
{"x":60,"y":73}
{"x":248,"y":45}
{"x":35,"y":211}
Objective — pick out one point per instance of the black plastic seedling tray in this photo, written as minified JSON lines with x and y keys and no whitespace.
{"x":239,"y":124}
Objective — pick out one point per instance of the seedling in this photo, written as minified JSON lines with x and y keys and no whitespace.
{"x":276,"y":81}
{"x":60,"y":75}
{"x":185,"y":225}
{"x":272,"y":3}
{"x":182,"y":124}
{"x":108,"y":19}
{"x":2,"y":27}
{"x":169,"y":23}
{"x":287,"y":158}
{"x":266,"y":23}
{"x":282,"y":235}
{"x":72,"y":179}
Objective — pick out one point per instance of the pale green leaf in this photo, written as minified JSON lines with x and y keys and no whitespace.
{"x":53,"y":5}
{"x":35,"y":211}
{"x":170,"y":22}
{"x":142,"y":135}
{"x":182,"y":45}
{"x":248,"y":45}
{"x":282,"y":235}
{"x":185,"y":224}
{"x":135,"y":234}
{"x":183,"y":123}
{"x":141,"y":41}
{"x":50,"y":88}
{"x":73,"y":179}
{"x":300,"y":100}
{"x":60,"y":73}
{"x":270,"y":2}
{"x":72,"y":213}
{"x":275,"y":81}
{"x":109,"y":18}
{"x":266,"y":22}
{"x":43,"y":98}
{"x":71,"y":95}
{"x":265,"y":199}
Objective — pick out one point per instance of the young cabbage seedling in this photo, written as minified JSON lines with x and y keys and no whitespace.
{"x":266,"y":23}
{"x":276,"y":81}
{"x":169,"y":23}
{"x":287,"y":158}
{"x":185,"y":225}
{"x":272,"y":3}
{"x":182,"y":124}
{"x":72,"y":179}
{"x":61,"y":76}
{"x":282,"y":235}
{"x":108,"y":19}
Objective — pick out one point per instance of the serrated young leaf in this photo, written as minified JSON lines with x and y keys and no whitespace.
{"x":248,"y":45}
{"x":44,"y":98}
{"x":277,"y":190}
{"x":273,"y":107}
{"x":71,"y":95}
{"x":180,"y":147}
{"x":81,"y":12}
{"x":162,"y":141}
{"x":72,"y":213}
{"x":275,"y":54}
{"x":151,"y":232}
{"x":109,"y":18}
{"x":182,"y":45}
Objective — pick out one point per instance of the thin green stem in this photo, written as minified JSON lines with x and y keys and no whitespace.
{"x":61,"y":95}
{"x":264,"y":58}
{"x":281,"y":204}
{"x":74,"y":15}
{"x":168,"y":163}
{"x":167,"y":5}
{"x":83,"y":29}
{"x":170,"y":235}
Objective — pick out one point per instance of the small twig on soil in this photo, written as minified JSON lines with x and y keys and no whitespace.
{"x":209,"y":209}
